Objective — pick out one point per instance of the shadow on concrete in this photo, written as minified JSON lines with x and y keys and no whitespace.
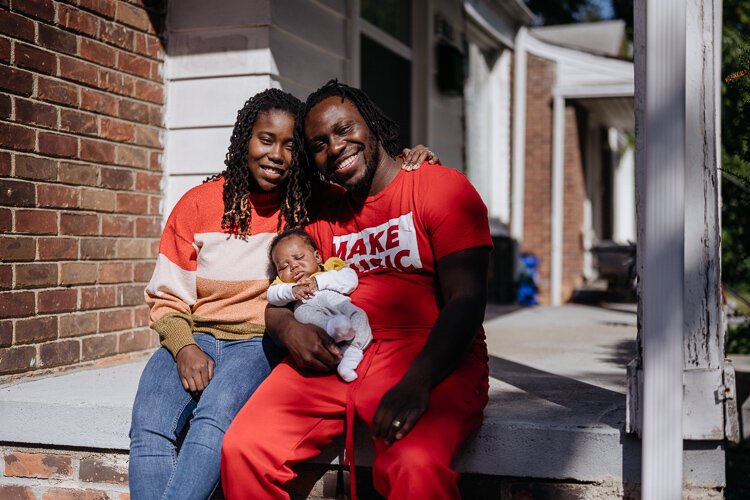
{"x":605,"y":406}
{"x":577,"y":406}
{"x":621,"y":353}
{"x":623,"y":308}
{"x":493,"y":311}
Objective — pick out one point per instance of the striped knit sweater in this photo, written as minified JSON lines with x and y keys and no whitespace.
{"x":207,"y":281}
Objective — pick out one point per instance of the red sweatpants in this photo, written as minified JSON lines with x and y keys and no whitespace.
{"x":293,"y":415}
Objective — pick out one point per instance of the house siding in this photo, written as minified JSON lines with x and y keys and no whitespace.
{"x":218,"y":58}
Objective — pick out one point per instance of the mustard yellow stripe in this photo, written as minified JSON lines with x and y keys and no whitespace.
{"x":232,"y":301}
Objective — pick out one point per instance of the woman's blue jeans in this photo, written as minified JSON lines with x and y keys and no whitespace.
{"x":163,"y":408}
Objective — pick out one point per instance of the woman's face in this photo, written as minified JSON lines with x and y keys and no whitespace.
{"x":269,"y":150}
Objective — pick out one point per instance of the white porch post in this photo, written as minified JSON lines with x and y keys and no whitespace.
{"x":519,"y":135}
{"x":558,"y":191}
{"x":685,"y":377}
{"x":704,"y":336}
{"x":623,"y":199}
{"x":623,"y":188}
{"x":661,"y":139}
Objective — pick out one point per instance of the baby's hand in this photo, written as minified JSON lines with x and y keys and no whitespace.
{"x":311,"y":284}
{"x":304,"y":289}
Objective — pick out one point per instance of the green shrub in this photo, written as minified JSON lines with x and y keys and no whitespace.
{"x":739,"y":339}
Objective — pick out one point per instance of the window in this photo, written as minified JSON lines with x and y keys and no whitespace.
{"x":393,"y":17}
{"x":385,"y":59}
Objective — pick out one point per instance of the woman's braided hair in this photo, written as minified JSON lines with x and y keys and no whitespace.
{"x":383,"y":128}
{"x":239,"y":181}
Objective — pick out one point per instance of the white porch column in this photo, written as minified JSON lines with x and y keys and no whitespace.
{"x":685,"y":378}
{"x":704,"y":330}
{"x":487,"y":105}
{"x":519,"y":135}
{"x":558,"y":191}
{"x":623,"y":193}
{"x":660,"y":101}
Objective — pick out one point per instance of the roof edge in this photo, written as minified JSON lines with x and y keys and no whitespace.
{"x":517,"y":9}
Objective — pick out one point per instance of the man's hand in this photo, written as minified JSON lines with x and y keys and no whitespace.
{"x":399,"y":410}
{"x":463,"y":286}
{"x":195,"y":367}
{"x":311,"y":348}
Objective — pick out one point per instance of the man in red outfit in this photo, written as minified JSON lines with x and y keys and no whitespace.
{"x":420,"y":244}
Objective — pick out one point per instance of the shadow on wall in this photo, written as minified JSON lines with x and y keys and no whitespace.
{"x":156,"y":10}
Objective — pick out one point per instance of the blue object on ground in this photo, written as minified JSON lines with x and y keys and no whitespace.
{"x":528,"y":289}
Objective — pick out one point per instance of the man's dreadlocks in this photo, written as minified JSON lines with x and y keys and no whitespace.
{"x":239,"y":181}
{"x":383,"y":128}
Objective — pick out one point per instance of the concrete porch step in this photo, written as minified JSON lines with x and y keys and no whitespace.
{"x":524,"y":434}
{"x":556,"y":411}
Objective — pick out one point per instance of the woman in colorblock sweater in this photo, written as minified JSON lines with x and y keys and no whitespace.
{"x":208,"y":297}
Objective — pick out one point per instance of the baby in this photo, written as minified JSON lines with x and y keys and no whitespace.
{"x":318,"y":291}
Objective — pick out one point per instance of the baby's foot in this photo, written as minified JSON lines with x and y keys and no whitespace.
{"x":340,"y":328}
{"x":347,"y":375}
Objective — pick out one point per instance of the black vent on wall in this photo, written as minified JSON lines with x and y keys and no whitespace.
{"x":451,"y":72}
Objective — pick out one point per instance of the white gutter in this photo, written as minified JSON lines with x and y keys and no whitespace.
{"x":556,"y":207}
{"x":477,"y":18}
{"x":519,"y":135}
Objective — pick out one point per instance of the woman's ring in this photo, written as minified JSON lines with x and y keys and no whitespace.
{"x":397,"y":424}
{"x":430,"y":153}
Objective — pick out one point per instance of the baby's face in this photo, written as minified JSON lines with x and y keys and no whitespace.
{"x":295,"y":259}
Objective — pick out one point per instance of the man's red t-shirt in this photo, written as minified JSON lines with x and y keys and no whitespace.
{"x":394,"y":240}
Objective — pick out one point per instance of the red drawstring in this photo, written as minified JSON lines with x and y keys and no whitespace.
{"x":349,"y":423}
{"x":349,"y":443}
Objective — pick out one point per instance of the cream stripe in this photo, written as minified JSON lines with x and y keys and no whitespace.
{"x":227,"y":258}
{"x":171,"y":279}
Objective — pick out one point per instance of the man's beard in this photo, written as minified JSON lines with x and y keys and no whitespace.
{"x":361,"y":188}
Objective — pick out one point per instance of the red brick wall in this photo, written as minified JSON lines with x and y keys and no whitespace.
{"x":61,"y":474}
{"x":538,"y":166}
{"x":538,"y":182}
{"x":575,"y":194}
{"x":81,"y":122}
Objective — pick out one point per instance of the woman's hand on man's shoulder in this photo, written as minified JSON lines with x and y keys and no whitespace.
{"x":414,"y":157}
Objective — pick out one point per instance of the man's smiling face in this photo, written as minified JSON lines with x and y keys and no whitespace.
{"x":341,"y":144}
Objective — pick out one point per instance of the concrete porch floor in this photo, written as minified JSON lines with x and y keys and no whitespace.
{"x":556,"y":411}
{"x":557,"y":392}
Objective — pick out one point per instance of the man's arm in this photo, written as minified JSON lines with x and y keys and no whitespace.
{"x":311,"y":347}
{"x":463,"y":286}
